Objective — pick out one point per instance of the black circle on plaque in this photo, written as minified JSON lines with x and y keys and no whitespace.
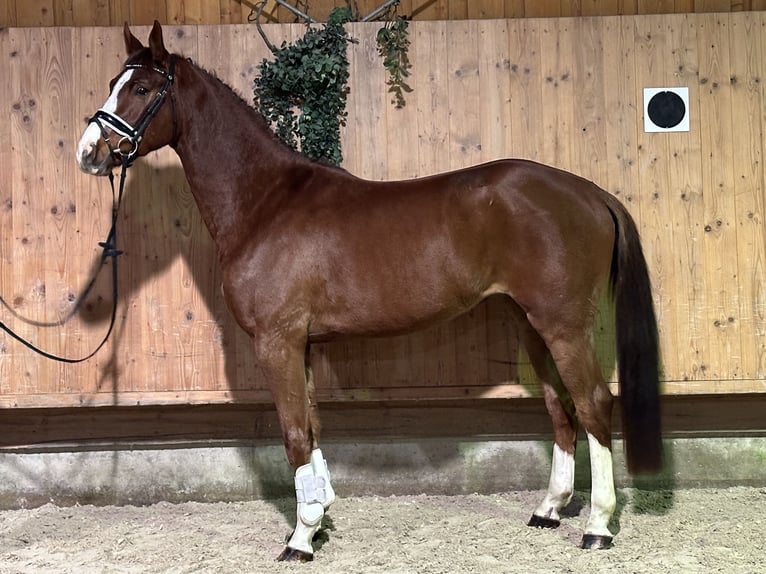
{"x":666,"y":109}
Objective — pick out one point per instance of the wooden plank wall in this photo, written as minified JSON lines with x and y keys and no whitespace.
{"x":180,"y":12}
{"x":562,"y":91}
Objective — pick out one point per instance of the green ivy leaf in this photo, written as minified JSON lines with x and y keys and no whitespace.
{"x":312,"y":73}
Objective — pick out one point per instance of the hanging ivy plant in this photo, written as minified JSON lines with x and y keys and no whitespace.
{"x":393,"y":46}
{"x":302,"y":92}
{"x":310,"y":75}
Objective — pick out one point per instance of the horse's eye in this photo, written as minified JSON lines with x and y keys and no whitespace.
{"x":141,"y":91}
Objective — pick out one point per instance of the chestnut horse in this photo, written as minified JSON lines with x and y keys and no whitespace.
{"x":312,"y":253}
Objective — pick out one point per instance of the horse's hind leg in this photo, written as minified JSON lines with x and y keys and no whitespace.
{"x":580,"y":373}
{"x":284,"y":365}
{"x":559,"y":405}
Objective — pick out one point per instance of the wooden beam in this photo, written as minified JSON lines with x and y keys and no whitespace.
{"x":512,"y":419}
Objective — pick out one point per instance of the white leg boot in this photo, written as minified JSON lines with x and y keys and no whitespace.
{"x":314,"y":494}
{"x":319,"y":464}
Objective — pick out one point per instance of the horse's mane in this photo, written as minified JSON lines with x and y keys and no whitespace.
{"x":256,"y":116}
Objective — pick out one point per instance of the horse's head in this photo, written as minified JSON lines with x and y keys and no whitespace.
{"x":139,"y":115}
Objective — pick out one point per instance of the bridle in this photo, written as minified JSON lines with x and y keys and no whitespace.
{"x":132,"y":135}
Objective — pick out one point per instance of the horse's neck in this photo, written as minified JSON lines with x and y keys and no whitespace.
{"x":230,"y":158}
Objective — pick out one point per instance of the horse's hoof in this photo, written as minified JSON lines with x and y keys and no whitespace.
{"x":543,"y":522}
{"x":596,"y":542}
{"x":292,"y":555}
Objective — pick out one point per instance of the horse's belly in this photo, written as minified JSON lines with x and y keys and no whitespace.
{"x":393,"y":315}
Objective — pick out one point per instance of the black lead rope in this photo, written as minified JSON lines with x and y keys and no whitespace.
{"x":109,"y":249}
{"x":133,"y":136}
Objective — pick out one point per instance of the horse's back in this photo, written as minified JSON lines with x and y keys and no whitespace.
{"x":358,"y":257}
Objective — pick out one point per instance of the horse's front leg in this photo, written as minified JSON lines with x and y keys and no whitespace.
{"x":284,"y":365}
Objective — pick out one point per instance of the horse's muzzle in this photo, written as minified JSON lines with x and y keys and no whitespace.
{"x":94,"y":157}
{"x":91,"y":168}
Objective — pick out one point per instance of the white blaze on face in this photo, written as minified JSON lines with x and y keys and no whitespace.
{"x":92,"y":133}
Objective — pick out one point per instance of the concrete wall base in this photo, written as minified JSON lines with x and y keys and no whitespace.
{"x":143,"y":473}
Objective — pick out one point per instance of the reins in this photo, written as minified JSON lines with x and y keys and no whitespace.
{"x":109,"y":249}
{"x":131,"y":135}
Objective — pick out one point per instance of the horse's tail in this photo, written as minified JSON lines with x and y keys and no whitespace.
{"x":637,"y":346}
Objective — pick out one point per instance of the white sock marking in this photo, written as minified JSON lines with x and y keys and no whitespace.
{"x":560,"y":485}
{"x":602,"y":496}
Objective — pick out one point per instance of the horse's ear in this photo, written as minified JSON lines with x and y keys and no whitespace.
{"x":159,"y":53}
{"x":132,"y":44}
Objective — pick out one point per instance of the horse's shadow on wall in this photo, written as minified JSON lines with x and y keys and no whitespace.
{"x":159,"y":223}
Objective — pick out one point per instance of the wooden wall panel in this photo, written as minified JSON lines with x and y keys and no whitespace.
{"x":687,"y":202}
{"x":557,"y":48}
{"x":28,"y":239}
{"x":748,"y":114}
{"x":621,"y":108}
{"x":6,"y":205}
{"x":56,"y":102}
{"x":526,"y":101}
{"x":656,"y":227}
{"x":429,"y":78}
{"x":720,"y":235}
{"x":683,"y":416}
{"x":195,"y":12}
{"x":562,"y":91}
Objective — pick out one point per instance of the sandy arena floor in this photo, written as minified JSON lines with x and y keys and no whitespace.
{"x":687,"y":531}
